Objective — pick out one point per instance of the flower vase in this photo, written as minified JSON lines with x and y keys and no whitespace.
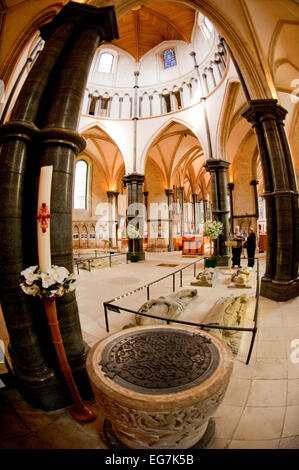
{"x":211,"y":262}
{"x":134,"y":257}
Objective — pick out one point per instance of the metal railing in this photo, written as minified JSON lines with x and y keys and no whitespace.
{"x":117,"y":308}
{"x":110,"y":256}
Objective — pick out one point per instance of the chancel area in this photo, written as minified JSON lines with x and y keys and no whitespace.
{"x":149,"y":219}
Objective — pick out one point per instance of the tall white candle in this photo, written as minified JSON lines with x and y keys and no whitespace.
{"x":43,"y":229}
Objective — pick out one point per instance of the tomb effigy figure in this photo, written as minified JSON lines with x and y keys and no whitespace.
{"x":241,"y":278}
{"x":232,"y":311}
{"x":205,"y":278}
{"x":168,"y":307}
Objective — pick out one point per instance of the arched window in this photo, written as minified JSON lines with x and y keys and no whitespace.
{"x":105,"y":62}
{"x":208,"y":24}
{"x":80,"y":185}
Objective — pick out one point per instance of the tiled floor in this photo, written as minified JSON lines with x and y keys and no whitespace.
{"x":261,"y":406}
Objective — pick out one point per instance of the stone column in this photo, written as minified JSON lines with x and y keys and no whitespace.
{"x":17,"y":222}
{"x":181,"y":206}
{"x":50,"y":99}
{"x":115,"y":209}
{"x":254,"y":184}
{"x":195,"y":213}
{"x":120,"y":106}
{"x":134,"y":182}
{"x":169,"y":194}
{"x":230,"y":189}
{"x":205,"y":210}
{"x":280,"y":281}
{"x":211,"y":70}
{"x":110,"y":195}
{"x":146,"y":215}
{"x":220,"y":211}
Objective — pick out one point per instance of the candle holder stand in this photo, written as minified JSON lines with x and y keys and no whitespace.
{"x":81,"y":411}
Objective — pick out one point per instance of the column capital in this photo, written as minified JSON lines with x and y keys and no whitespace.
{"x":145,"y":193}
{"x":230,"y":185}
{"x":169,"y":192}
{"x":133,"y":178}
{"x":259,"y":109}
{"x":110,"y":194}
{"x":254,"y":182}
{"x":83,"y":17}
{"x":214,"y":164}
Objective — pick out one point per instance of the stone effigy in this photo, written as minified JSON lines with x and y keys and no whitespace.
{"x":232,"y":312}
{"x":167,"y":307}
{"x":205,"y":278}
{"x":241,"y":278}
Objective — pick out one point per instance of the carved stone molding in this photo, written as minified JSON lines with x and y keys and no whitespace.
{"x":173,"y":415}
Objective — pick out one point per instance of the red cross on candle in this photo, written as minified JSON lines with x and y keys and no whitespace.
{"x":43,"y":216}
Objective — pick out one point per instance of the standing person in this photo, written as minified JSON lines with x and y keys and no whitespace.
{"x":236,"y":251}
{"x":250,"y":246}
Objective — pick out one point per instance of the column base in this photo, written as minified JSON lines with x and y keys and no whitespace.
{"x":279,"y":292}
{"x":48,"y":391}
{"x":139,"y":254}
{"x":223,"y":260}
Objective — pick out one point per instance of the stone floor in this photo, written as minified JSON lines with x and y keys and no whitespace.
{"x":261,"y":406}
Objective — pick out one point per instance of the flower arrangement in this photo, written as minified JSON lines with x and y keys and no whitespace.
{"x":133,"y":231}
{"x":54,"y":283}
{"x":213,"y":229}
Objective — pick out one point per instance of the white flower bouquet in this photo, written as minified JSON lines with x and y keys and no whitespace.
{"x":213,"y":229}
{"x":54,"y":283}
{"x":133,"y":231}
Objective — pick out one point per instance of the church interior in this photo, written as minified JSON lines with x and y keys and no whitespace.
{"x":130,"y":133}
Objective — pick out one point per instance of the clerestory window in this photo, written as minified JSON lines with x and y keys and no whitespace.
{"x":105,"y":63}
{"x":80,"y":185}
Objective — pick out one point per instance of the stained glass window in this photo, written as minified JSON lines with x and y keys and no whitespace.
{"x":169,"y":58}
{"x":80,"y":189}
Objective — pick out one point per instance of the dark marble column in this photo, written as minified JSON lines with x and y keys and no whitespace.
{"x":195,"y":208}
{"x":169,"y":194}
{"x":181,"y":206}
{"x":230,"y":189}
{"x":24,"y":316}
{"x":220,"y":210}
{"x":205,"y":210}
{"x":42,"y":131}
{"x":254,"y":184}
{"x":115,"y":209}
{"x":134,"y":182}
{"x":110,"y":195}
{"x":280,"y":281}
{"x":146,"y":215}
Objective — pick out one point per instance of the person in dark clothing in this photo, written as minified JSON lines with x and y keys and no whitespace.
{"x":250,"y":246}
{"x":236,"y":251}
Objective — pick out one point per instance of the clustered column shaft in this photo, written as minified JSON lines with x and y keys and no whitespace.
{"x":280,"y":281}
{"x":42,"y":131}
